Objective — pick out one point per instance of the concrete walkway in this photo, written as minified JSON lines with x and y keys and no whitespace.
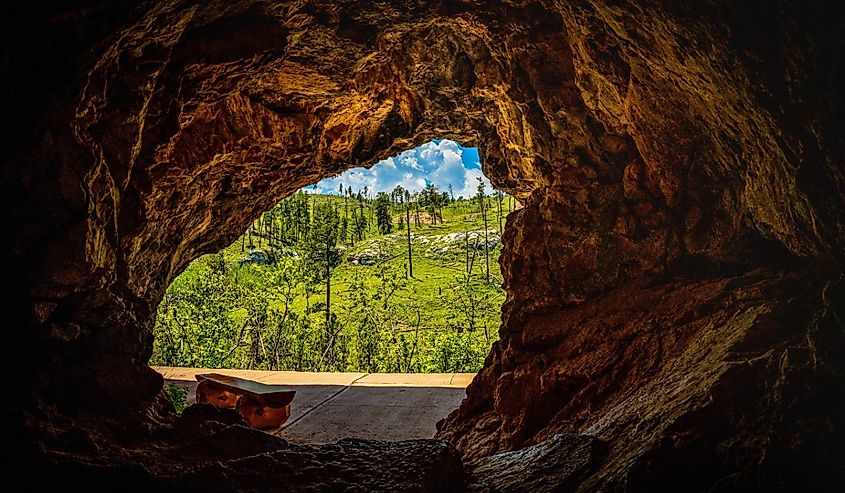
{"x":331,"y":406}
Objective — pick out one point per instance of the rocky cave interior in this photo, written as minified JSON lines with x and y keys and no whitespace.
{"x":675,"y":301}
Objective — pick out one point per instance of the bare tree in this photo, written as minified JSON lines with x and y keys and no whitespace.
{"x":467,"y":296}
{"x":480,"y":196}
{"x":408,"y":225}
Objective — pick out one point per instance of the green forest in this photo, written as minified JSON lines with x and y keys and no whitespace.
{"x":357,"y":281}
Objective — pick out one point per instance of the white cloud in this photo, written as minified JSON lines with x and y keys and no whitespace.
{"x":443,"y":163}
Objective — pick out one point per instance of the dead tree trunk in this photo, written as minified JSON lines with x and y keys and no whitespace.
{"x":408,"y":227}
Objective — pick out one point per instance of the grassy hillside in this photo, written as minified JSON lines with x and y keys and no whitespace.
{"x":257,"y":303}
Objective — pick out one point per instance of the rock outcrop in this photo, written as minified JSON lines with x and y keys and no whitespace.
{"x":693,"y":380}
{"x":221,"y":454}
{"x":557,"y":464}
{"x":674,"y":279}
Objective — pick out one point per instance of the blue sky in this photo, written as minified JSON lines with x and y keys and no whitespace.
{"x":442,"y":162}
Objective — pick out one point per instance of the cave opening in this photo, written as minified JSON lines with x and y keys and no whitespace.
{"x":648,"y":340}
{"x":381,"y":276}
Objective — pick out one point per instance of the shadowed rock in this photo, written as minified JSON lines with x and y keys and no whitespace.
{"x":557,"y":464}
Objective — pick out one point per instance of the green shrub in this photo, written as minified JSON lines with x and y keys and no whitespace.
{"x":178,"y":396}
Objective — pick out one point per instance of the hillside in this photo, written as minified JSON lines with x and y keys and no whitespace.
{"x":261,"y":302}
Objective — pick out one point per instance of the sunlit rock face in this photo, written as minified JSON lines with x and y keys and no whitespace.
{"x":674,"y":278}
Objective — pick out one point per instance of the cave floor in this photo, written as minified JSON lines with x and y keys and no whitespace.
{"x":332,"y":406}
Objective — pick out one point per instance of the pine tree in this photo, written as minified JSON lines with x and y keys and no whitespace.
{"x":359,"y":225}
{"x":396,"y":196}
{"x":344,"y":230}
{"x":430,"y":200}
{"x":442,"y":201}
{"x":408,"y":225}
{"x":385,"y":225}
{"x":323,"y":254}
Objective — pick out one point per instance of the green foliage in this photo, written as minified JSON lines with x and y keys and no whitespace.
{"x":321,"y":247}
{"x":359,"y":224}
{"x":229,"y":310}
{"x":178,"y":396}
{"x":385,"y":223}
{"x":454,"y":352}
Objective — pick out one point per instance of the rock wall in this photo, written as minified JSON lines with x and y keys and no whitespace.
{"x":674,"y":279}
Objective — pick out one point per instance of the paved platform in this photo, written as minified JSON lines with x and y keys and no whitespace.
{"x":331,"y":406}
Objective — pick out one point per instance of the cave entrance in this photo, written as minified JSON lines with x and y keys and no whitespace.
{"x":379,"y":287}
